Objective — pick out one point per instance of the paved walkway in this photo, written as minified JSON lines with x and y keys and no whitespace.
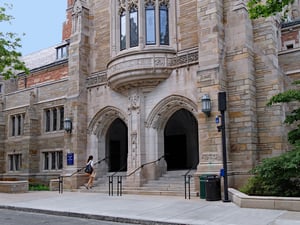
{"x":144,"y":209}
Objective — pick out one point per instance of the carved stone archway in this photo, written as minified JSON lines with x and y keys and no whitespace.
{"x":97,"y":130}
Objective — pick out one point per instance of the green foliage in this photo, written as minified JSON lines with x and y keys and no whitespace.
{"x":262,"y":8}
{"x":292,"y":95}
{"x":277,"y":176}
{"x":38,"y":187}
{"x":280,"y":176}
{"x":10,"y":62}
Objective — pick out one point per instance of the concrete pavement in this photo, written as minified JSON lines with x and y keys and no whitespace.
{"x":144,"y":209}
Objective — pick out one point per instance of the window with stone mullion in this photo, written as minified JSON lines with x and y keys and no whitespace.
{"x":133,"y":26}
{"x":150,"y":23}
{"x":164,"y":23}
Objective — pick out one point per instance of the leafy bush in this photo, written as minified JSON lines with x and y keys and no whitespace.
{"x":277,"y":176}
{"x":38,"y":187}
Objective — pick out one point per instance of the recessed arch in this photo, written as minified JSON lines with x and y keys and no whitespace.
{"x":181,"y":148}
{"x":104,"y":118}
{"x":117,"y":146}
{"x":159,"y":116}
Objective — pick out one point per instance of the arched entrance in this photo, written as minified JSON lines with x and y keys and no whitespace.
{"x":181,"y":141}
{"x":117,"y":146}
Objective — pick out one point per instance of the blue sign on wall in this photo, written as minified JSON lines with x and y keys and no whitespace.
{"x":70,"y":159}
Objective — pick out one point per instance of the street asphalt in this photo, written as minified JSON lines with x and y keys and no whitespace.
{"x":145,"y":209}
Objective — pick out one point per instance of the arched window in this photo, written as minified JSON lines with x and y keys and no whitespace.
{"x":134,"y":34}
{"x":150,"y":23}
{"x":122,"y":29}
{"x":155,"y":26}
{"x":164,"y":23}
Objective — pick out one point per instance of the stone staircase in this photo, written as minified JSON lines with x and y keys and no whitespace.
{"x":170,"y":184}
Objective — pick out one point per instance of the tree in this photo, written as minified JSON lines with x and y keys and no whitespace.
{"x":10,"y":62}
{"x":292,"y":118}
{"x":266,"y":8}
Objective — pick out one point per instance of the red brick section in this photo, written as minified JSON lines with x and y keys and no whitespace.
{"x":44,"y":76}
{"x":67,"y":26}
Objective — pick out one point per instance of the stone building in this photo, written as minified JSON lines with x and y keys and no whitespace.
{"x":131,"y":75}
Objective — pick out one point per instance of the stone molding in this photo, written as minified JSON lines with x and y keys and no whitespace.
{"x":103,"y":119}
{"x":182,"y":59}
{"x":166,"y":107}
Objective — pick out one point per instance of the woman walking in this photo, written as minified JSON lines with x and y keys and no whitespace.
{"x":91,"y":174}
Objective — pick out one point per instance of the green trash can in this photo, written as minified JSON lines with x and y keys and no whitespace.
{"x":203,"y":179}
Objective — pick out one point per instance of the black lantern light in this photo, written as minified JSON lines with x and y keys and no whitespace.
{"x":206,"y":104}
{"x":68,"y":125}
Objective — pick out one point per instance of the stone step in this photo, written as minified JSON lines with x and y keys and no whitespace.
{"x":170,"y":184}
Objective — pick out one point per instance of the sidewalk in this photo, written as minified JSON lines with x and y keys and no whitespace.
{"x":144,"y":209}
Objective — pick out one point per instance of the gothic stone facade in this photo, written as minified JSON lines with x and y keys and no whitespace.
{"x":132,"y":82}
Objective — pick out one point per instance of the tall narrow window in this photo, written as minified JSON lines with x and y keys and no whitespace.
{"x":122,"y":30}
{"x":48,"y":120}
{"x":54,"y":119}
{"x":13,"y":126}
{"x":61,"y":125}
{"x":164,"y":24}
{"x":19,"y":124}
{"x":15,"y":162}
{"x":134,"y":34}
{"x":150,"y":23}
{"x":46,"y":160}
{"x":53,"y":160}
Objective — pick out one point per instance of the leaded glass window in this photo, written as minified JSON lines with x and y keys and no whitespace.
{"x":150,"y":24}
{"x":134,"y":34}
{"x":123,"y":30}
{"x":164,"y":24}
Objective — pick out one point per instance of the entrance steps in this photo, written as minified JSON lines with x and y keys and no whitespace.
{"x":170,"y":184}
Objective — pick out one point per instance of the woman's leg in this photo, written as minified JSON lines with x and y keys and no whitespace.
{"x":89,"y":182}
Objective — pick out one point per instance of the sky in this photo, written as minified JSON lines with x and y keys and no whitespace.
{"x":40,"y":20}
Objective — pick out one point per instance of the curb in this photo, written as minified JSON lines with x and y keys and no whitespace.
{"x":89,"y":216}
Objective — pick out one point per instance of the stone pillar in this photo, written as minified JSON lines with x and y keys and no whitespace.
{"x":272,"y":134}
{"x":136,"y":135}
{"x":76,"y":106}
{"x":242,"y":119}
{"x":211,"y":80}
{"x":31,"y":131}
{"x":2,"y":136}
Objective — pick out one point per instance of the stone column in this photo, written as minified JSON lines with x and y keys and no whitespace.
{"x":2,"y":136}
{"x":136,"y":135}
{"x":76,"y":106}
{"x":30,"y":147}
{"x":272,"y":134}
{"x":211,"y":80}
{"x":242,"y":119}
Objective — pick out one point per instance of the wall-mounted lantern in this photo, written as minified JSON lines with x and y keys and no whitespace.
{"x":206,"y":104}
{"x":68,"y":125}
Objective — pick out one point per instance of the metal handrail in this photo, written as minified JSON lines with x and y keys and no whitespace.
{"x":187,"y":183}
{"x":119,"y":178}
{"x":60,"y":178}
{"x":111,"y":181}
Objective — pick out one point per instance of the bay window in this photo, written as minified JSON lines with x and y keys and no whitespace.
{"x":155,"y":27}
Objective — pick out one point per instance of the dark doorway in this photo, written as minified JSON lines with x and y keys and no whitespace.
{"x":181,"y":141}
{"x":117,"y":146}
{"x":175,"y":151}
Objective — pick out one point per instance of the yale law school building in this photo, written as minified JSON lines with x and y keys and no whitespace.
{"x":130,"y":75}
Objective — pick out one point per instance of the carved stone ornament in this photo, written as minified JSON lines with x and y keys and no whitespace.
{"x":134,"y":102}
{"x":165,"y":109}
{"x":103,"y":119}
